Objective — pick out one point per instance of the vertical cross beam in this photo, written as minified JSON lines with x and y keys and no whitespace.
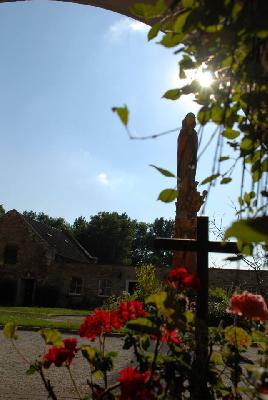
{"x":200,"y":390}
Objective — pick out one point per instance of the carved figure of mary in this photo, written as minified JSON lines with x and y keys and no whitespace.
{"x":187,"y":152}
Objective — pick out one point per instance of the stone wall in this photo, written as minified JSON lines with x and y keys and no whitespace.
{"x":237,"y":278}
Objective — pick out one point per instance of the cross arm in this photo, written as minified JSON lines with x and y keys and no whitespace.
{"x":193,"y":245}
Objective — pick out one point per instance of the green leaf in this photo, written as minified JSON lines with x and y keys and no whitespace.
{"x":237,"y":337}
{"x":171,"y":39}
{"x":148,"y":11}
{"x":51,"y":336}
{"x":97,"y":374}
{"x":210,"y":179}
{"x":153,"y":32}
{"x":224,"y":158}
{"x":31,"y":370}
{"x":264,"y":165}
{"x":10,"y":330}
{"x":217,"y":114}
{"x":143,"y":325}
{"x":187,"y":62}
{"x":89,"y":352}
{"x":253,"y":230}
{"x":259,"y":338}
{"x":264,"y":193}
{"x":160,"y":300}
{"x":187,"y":3}
{"x":230,"y":134}
{"x":204,"y":115}
{"x":167,"y":195}
{"x":246,"y":144}
{"x":163,"y":171}
{"x":225,"y":180}
{"x":122,"y":113}
{"x":172,"y":94}
{"x":241,"y":201}
{"x":180,"y":22}
{"x":216,"y":358}
{"x":189,"y":315}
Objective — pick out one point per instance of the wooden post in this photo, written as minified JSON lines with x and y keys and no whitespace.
{"x":199,"y":381}
{"x":202,"y":246}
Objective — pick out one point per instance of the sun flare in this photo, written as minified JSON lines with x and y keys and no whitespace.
{"x":201,"y":74}
{"x":204,"y":77}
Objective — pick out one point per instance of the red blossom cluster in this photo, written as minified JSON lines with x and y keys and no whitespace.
{"x":133,"y":385}
{"x":250,"y":305}
{"x":168,"y":336}
{"x":126,"y":312}
{"x":180,"y":278}
{"x":95,"y":324}
{"x":102,"y":321}
{"x":60,"y":355}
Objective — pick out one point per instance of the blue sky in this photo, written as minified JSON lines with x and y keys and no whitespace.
{"x":63,"y":152}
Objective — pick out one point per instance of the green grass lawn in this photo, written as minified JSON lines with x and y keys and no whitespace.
{"x":40,"y":317}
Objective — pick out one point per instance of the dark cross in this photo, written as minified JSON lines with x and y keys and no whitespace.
{"x":202,"y":246}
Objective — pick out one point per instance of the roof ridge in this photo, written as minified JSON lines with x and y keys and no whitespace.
{"x":68,"y":233}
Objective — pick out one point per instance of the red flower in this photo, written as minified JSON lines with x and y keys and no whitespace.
{"x":180,"y":278}
{"x":60,"y":355}
{"x":95,"y":324}
{"x":70,"y":343}
{"x":250,"y":305}
{"x":168,"y":335}
{"x":134,"y":385}
{"x":127,"y":311}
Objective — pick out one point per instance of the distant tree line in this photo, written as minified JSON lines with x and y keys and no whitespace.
{"x":115,"y":238}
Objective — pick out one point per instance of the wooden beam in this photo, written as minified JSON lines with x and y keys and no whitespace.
{"x":192,"y":245}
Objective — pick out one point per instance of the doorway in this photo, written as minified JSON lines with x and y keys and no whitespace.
{"x":28,"y":286}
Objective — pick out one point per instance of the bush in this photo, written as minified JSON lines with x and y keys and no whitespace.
{"x":8,"y":288}
{"x":147,"y":281}
{"x":218,"y":302}
{"x":46,"y":296}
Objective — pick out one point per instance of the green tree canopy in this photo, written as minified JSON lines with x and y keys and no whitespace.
{"x":54,"y":222}
{"x":107,"y":236}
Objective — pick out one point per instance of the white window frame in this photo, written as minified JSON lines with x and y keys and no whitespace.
{"x":80,"y":286}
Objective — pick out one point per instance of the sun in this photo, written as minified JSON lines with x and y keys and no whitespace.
{"x":200,"y":74}
{"x":204,"y":77}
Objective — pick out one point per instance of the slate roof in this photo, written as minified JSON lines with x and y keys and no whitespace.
{"x":65,"y":245}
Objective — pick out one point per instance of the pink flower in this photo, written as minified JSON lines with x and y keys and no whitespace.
{"x":250,"y":305}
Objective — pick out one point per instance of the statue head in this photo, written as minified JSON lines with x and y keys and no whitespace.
{"x":189,"y":121}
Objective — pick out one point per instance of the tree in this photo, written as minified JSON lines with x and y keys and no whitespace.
{"x":2,"y":211}
{"x":58,"y":222}
{"x":107,"y":236}
{"x":143,"y":249}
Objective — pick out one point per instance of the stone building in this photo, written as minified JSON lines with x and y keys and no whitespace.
{"x":44,"y":266}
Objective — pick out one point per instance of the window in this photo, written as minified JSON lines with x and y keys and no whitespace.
{"x":105,"y":287}
{"x":131,"y":286}
{"x":10,"y":254}
{"x":76,"y":285}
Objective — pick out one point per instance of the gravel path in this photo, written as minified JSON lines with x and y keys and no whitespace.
{"x":16,"y":385}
